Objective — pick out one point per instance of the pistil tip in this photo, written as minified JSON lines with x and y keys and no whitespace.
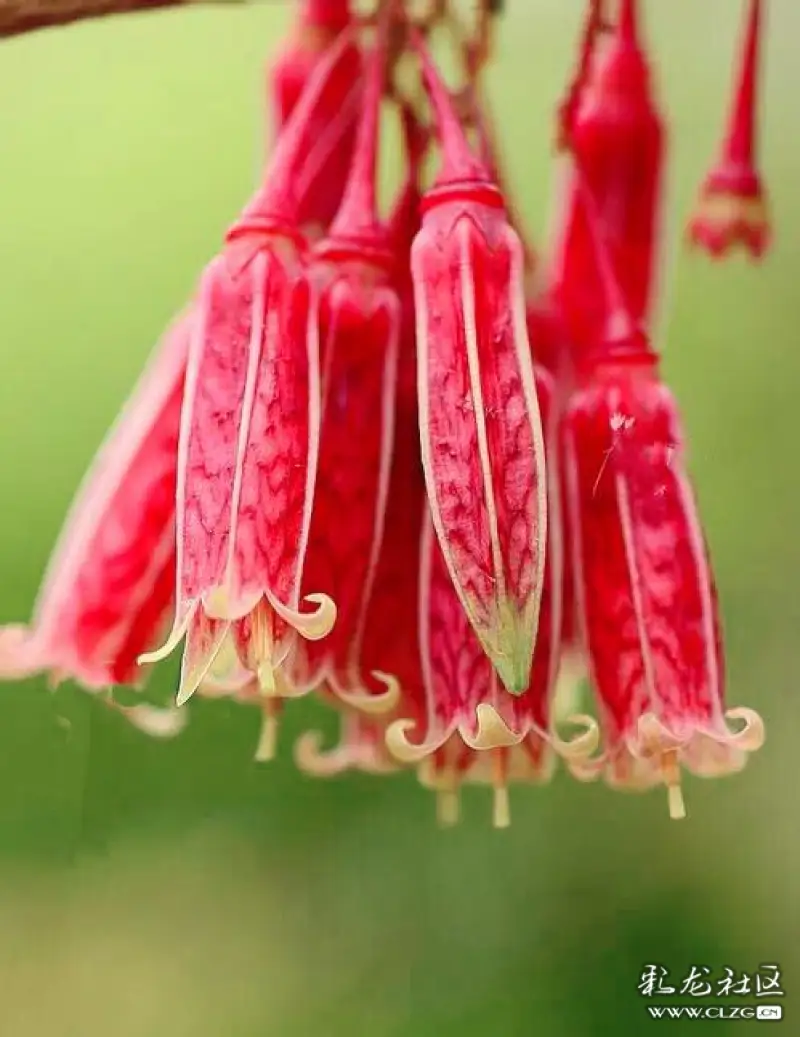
{"x":268,"y":739}
{"x":677,"y":806}
{"x":448,"y":807}
{"x":670,"y":768}
{"x":501,"y":808}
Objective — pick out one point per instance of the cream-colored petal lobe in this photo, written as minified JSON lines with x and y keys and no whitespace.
{"x":579,"y":751}
{"x":492,"y":732}
{"x":752,"y":735}
{"x":311,"y":625}
{"x":365,"y":701}
{"x":156,"y":722}
{"x":176,"y":635}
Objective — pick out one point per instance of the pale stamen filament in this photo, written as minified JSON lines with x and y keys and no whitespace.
{"x":501,"y":808}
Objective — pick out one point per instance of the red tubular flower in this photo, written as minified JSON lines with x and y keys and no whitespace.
{"x":318,"y":24}
{"x":551,"y":348}
{"x":645,"y":591}
{"x":733,"y":208}
{"x":390,"y":641}
{"x":359,"y":327}
{"x":481,"y":435}
{"x":470,"y":726}
{"x":249,"y":429}
{"x":465,"y":725}
{"x":110,"y":581}
{"x":617,"y":141}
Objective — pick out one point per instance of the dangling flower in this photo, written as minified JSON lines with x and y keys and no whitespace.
{"x":617,"y":141}
{"x":481,"y":434}
{"x":460,"y":724}
{"x":644,"y":587}
{"x":471,"y":728}
{"x":318,"y":25}
{"x":110,"y":581}
{"x":359,"y":317}
{"x":390,"y":640}
{"x":733,"y":208}
{"x":248,"y":447}
{"x":551,"y":350}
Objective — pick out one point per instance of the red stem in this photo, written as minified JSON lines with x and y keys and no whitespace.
{"x":740,"y":141}
{"x":358,"y":212}
{"x":459,"y":165}
{"x":326,"y":14}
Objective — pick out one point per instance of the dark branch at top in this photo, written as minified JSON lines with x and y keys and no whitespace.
{"x":18,"y":16}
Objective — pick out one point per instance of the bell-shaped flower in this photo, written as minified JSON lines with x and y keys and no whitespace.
{"x":110,"y":583}
{"x":733,"y":207}
{"x":359,"y":326}
{"x":645,"y":591}
{"x":247,"y":455}
{"x":482,"y":445}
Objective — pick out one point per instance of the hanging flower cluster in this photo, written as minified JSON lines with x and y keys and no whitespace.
{"x":400,"y":461}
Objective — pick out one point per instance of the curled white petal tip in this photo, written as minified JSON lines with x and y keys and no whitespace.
{"x":176,"y":635}
{"x":579,"y":751}
{"x":311,"y":758}
{"x":156,"y":722}
{"x":368,"y":702}
{"x":752,"y":735}
{"x":313,"y":626}
{"x":402,"y":748}
{"x":491,"y":731}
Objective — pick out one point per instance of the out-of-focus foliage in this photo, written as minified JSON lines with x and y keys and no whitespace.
{"x":170,"y":889}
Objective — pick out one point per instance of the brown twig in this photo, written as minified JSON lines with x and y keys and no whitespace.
{"x":20,"y":16}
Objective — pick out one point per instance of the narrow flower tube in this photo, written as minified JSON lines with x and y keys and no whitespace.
{"x":481,"y":435}
{"x":248,"y":446}
{"x":733,"y":207}
{"x":110,"y":583}
{"x":359,"y":324}
{"x":618,"y":144}
{"x":647,"y":601}
{"x":594,"y":23}
{"x":318,"y":25}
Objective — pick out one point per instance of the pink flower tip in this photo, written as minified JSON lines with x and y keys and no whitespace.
{"x":732,"y":212}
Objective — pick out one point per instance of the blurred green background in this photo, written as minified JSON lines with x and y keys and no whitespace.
{"x":166,"y":889}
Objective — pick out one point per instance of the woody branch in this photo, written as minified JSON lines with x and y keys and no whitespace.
{"x":20,"y":16}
